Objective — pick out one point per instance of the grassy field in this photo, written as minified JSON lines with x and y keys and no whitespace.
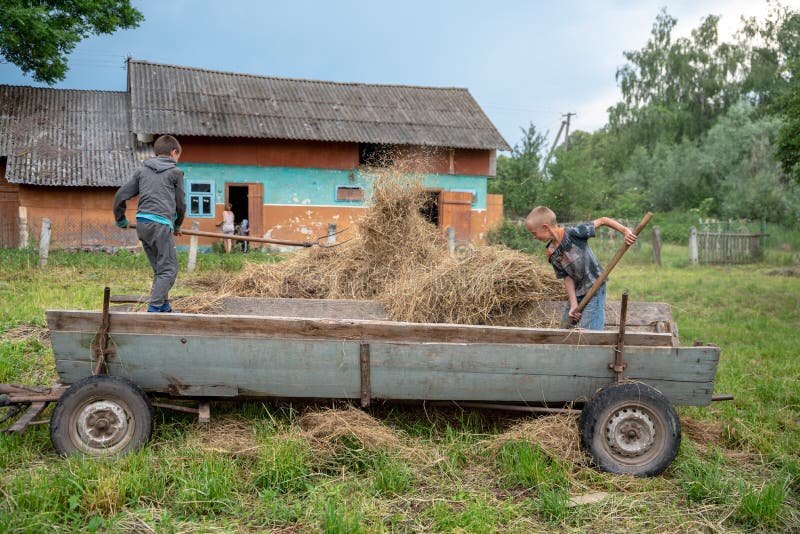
{"x":257,"y":467}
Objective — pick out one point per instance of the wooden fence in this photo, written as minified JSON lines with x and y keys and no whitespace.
{"x":725,"y":247}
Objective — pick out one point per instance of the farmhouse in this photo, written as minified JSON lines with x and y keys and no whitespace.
{"x":291,"y":156}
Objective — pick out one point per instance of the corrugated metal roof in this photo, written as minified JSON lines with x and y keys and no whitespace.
{"x":190,"y":101}
{"x":65,"y":137}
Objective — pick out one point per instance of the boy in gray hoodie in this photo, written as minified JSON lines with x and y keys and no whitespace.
{"x":159,"y":184}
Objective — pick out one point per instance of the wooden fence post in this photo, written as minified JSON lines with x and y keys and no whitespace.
{"x":44,"y":242}
{"x":192,"y":248}
{"x":451,"y":239}
{"x":657,"y":245}
{"x":23,"y":227}
{"x":331,"y":232}
{"x":693,"y":256}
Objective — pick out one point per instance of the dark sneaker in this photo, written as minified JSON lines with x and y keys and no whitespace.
{"x":153,"y":309}
{"x":166,"y":308}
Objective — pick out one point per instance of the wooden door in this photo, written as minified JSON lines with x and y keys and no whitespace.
{"x":455,"y":209}
{"x":9,"y":210}
{"x":255,"y":208}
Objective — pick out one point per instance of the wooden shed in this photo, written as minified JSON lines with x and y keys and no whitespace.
{"x":63,"y":153}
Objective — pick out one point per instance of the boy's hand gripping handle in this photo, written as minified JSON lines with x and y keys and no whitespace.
{"x":612,"y":264}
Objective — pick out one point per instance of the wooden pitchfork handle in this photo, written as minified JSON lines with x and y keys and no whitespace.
{"x":622,"y":250}
{"x":306,"y":244}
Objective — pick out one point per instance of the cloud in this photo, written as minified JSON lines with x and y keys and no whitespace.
{"x":593,"y":114}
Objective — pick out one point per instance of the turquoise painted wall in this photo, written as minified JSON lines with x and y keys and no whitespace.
{"x":301,"y":186}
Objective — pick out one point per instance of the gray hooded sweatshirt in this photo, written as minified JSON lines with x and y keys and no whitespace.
{"x":159,"y":184}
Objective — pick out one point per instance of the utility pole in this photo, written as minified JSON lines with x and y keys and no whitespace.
{"x":566,"y":134}
{"x":552,"y":148}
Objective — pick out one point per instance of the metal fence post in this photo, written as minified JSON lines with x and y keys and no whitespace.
{"x":693,"y":245}
{"x":192,"y":248}
{"x":44,"y":242}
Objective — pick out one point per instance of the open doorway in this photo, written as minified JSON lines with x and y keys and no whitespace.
{"x":247,"y":202}
{"x":430,"y":208}
{"x":238,"y":196}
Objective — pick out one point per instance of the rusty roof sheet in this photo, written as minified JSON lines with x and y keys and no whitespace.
{"x":190,"y":101}
{"x":63,"y":137}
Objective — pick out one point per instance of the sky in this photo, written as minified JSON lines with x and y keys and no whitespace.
{"x":525,"y":62}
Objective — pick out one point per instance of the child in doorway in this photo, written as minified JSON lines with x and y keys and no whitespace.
{"x":244,"y":230}
{"x":227,"y":226}
{"x":159,"y":184}
{"x":573,"y":261}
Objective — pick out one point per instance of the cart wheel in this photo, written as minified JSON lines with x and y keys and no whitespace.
{"x":101,"y":416}
{"x":630,"y":429}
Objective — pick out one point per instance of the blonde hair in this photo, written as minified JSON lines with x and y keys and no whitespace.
{"x":539,"y":216}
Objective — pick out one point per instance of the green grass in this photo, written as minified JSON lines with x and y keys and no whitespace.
{"x":746,"y":480}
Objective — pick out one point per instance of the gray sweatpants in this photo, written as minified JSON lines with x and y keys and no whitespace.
{"x":159,"y":245}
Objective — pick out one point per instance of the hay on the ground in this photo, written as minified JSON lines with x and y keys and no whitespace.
{"x":793,"y":271}
{"x":330,"y":426}
{"x":25,"y":331}
{"x":557,"y":435}
{"x":228,"y":435}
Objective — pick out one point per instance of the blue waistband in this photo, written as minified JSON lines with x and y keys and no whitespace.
{"x":149,"y":217}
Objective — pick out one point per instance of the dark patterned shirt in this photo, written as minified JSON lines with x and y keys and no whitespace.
{"x":573,"y":257}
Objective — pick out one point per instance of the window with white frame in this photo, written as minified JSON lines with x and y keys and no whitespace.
{"x":200,"y":199}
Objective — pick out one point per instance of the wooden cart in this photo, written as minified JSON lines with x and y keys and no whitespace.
{"x":114,"y":366}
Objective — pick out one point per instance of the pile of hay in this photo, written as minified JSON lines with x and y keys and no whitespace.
{"x":557,"y":435}
{"x":400,"y":260}
{"x":228,"y":434}
{"x":330,"y":426}
{"x":490,"y":285}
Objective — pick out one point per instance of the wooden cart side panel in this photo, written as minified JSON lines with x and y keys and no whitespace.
{"x":213,"y":366}
{"x":178,"y":324}
{"x":189,"y":365}
{"x":535,"y":373}
{"x":641,"y":316}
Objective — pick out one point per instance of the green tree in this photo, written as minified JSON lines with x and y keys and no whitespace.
{"x":788,"y":142}
{"x":518,"y":177}
{"x":786,"y":103}
{"x":675,"y":88}
{"x":37,"y":35}
{"x":578,"y":186}
{"x":772,"y":49}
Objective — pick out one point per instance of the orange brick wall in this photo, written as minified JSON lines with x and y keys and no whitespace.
{"x":83,"y":217}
